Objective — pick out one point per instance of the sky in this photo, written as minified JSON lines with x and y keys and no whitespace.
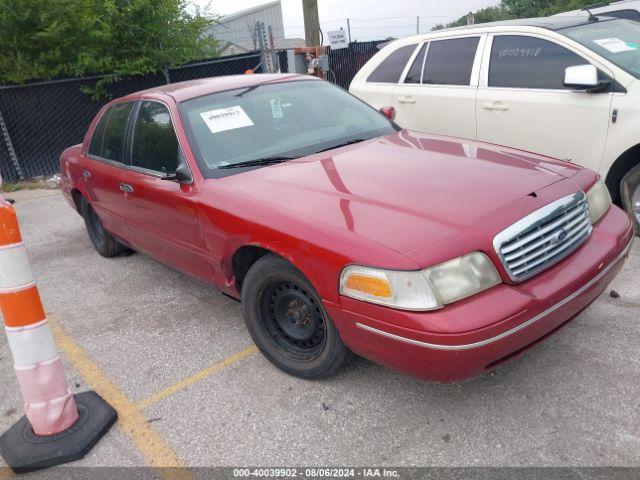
{"x":370,"y":19}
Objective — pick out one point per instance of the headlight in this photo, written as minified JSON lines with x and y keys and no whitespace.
{"x":422,"y":290}
{"x":599,"y":201}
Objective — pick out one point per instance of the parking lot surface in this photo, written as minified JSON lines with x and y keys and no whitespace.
{"x":174,"y":358}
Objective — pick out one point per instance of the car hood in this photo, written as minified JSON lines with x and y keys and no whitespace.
{"x":401,"y":190}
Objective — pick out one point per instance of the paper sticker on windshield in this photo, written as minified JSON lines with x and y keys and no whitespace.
{"x":615,"y":45}
{"x":223,"y":119}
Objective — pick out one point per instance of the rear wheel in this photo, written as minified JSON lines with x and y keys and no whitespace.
{"x":103,"y":242}
{"x":288,"y":322}
{"x":630,"y":192}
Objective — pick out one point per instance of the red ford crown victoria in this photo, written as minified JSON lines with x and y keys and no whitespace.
{"x":342,"y":233}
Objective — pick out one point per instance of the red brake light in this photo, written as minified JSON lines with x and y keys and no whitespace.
{"x":389,"y":112}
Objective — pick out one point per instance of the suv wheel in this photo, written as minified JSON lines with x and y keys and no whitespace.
{"x":630,"y":191}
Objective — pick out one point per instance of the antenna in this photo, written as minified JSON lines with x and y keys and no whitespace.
{"x":592,"y":17}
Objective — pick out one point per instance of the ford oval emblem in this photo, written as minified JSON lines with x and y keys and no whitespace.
{"x":558,"y":236}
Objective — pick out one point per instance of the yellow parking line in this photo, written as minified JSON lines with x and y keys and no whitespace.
{"x":196,"y":377}
{"x":6,"y":473}
{"x":150,"y":444}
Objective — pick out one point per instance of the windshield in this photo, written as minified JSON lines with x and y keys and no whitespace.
{"x":287,"y":119}
{"x":615,"y":40}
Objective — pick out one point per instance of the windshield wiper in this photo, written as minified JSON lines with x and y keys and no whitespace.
{"x":344,"y":144}
{"x":258,"y":162}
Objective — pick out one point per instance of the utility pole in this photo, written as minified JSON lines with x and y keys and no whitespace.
{"x":349,"y":29}
{"x":418,"y":25}
{"x":311,"y":23}
{"x":470,"y":19}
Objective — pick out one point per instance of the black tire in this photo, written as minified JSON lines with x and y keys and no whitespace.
{"x":287,"y":321}
{"x":103,"y":242}
{"x":630,"y":193}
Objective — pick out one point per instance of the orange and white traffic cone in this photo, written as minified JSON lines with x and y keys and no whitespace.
{"x":58,"y":427}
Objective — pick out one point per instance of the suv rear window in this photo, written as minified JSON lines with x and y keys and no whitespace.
{"x":391,"y":68}
{"x":449,"y":62}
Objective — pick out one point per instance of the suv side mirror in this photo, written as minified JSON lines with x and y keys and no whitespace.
{"x":584,"y":77}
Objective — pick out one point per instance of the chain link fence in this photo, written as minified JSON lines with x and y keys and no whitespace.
{"x":39,"y":120}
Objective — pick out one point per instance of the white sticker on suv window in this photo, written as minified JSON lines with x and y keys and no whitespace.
{"x":615,"y":45}
{"x":223,"y":119}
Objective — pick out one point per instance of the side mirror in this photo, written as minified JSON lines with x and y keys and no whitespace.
{"x":183,"y":174}
{"x":584,"y":77}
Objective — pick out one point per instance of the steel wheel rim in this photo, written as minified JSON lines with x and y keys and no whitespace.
{"x":293,"y":320}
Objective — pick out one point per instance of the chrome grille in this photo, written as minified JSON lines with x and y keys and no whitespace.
{"x":544,"y":237}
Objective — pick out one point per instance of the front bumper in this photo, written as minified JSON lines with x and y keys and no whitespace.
{"x":471,"y":336}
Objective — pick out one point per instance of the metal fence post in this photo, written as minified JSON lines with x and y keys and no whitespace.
{"x":11,"y":150}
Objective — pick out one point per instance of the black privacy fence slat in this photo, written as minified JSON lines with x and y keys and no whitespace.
{"x":346,"y":62}
{"x":44,"y":118}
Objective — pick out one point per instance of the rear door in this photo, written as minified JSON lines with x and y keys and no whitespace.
{"x":162,"y":214}
{"x":523,"y":103}
{"x":102,"y":172}
{"x":437,"y":93}
{"x":377,"y":87}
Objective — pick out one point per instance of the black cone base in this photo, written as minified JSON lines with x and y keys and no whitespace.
{"x":24,"y":451}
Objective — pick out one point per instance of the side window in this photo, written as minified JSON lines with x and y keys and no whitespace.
{"x":528,"y":62}
{"x":155,"y":146}
{"x":414,"y":75}
{"x":114,"y":131}
{"x":449,"y":62}
{"x":97,"y":139}
{"x":391,"y":68}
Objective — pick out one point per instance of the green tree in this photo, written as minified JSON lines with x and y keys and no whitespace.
{"x":44,"y":39}
{"x":509,"y":9}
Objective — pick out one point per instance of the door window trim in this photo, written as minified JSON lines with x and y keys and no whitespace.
{"x":486,"y":63}
{"x":475,"y":69}
{"x":128,"y":140}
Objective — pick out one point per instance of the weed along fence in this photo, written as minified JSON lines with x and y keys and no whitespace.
{"x":39,"y":120}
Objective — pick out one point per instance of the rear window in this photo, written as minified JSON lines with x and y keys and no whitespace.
{"x":108,"y":139}
{"x":449,"y":62}
{"x":391,"y":68}
{"x":624,"y":14}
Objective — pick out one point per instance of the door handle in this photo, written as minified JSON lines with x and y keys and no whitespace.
{"x":125,"y":187}
{"x":496,"y":106}
{"x":407,"y":99}
{"x":86,"y":174}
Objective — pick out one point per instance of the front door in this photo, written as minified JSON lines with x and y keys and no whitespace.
{"x":162,"y":214}
{"x":523,"y":102}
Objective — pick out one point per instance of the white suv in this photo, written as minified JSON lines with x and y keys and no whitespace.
{"x":563,"y":86}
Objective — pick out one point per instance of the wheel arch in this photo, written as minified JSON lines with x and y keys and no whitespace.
{"x":619,"y":168}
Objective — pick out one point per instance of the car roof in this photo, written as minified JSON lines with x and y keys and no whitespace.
{"x":182,"y":91}
{"x":550,"y":23}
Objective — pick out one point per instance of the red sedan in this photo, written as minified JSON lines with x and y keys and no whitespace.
{"x":342,"y":233}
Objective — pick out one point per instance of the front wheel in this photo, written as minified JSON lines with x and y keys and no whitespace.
{"x":287,"y":321}
{"x":630,"y":191}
